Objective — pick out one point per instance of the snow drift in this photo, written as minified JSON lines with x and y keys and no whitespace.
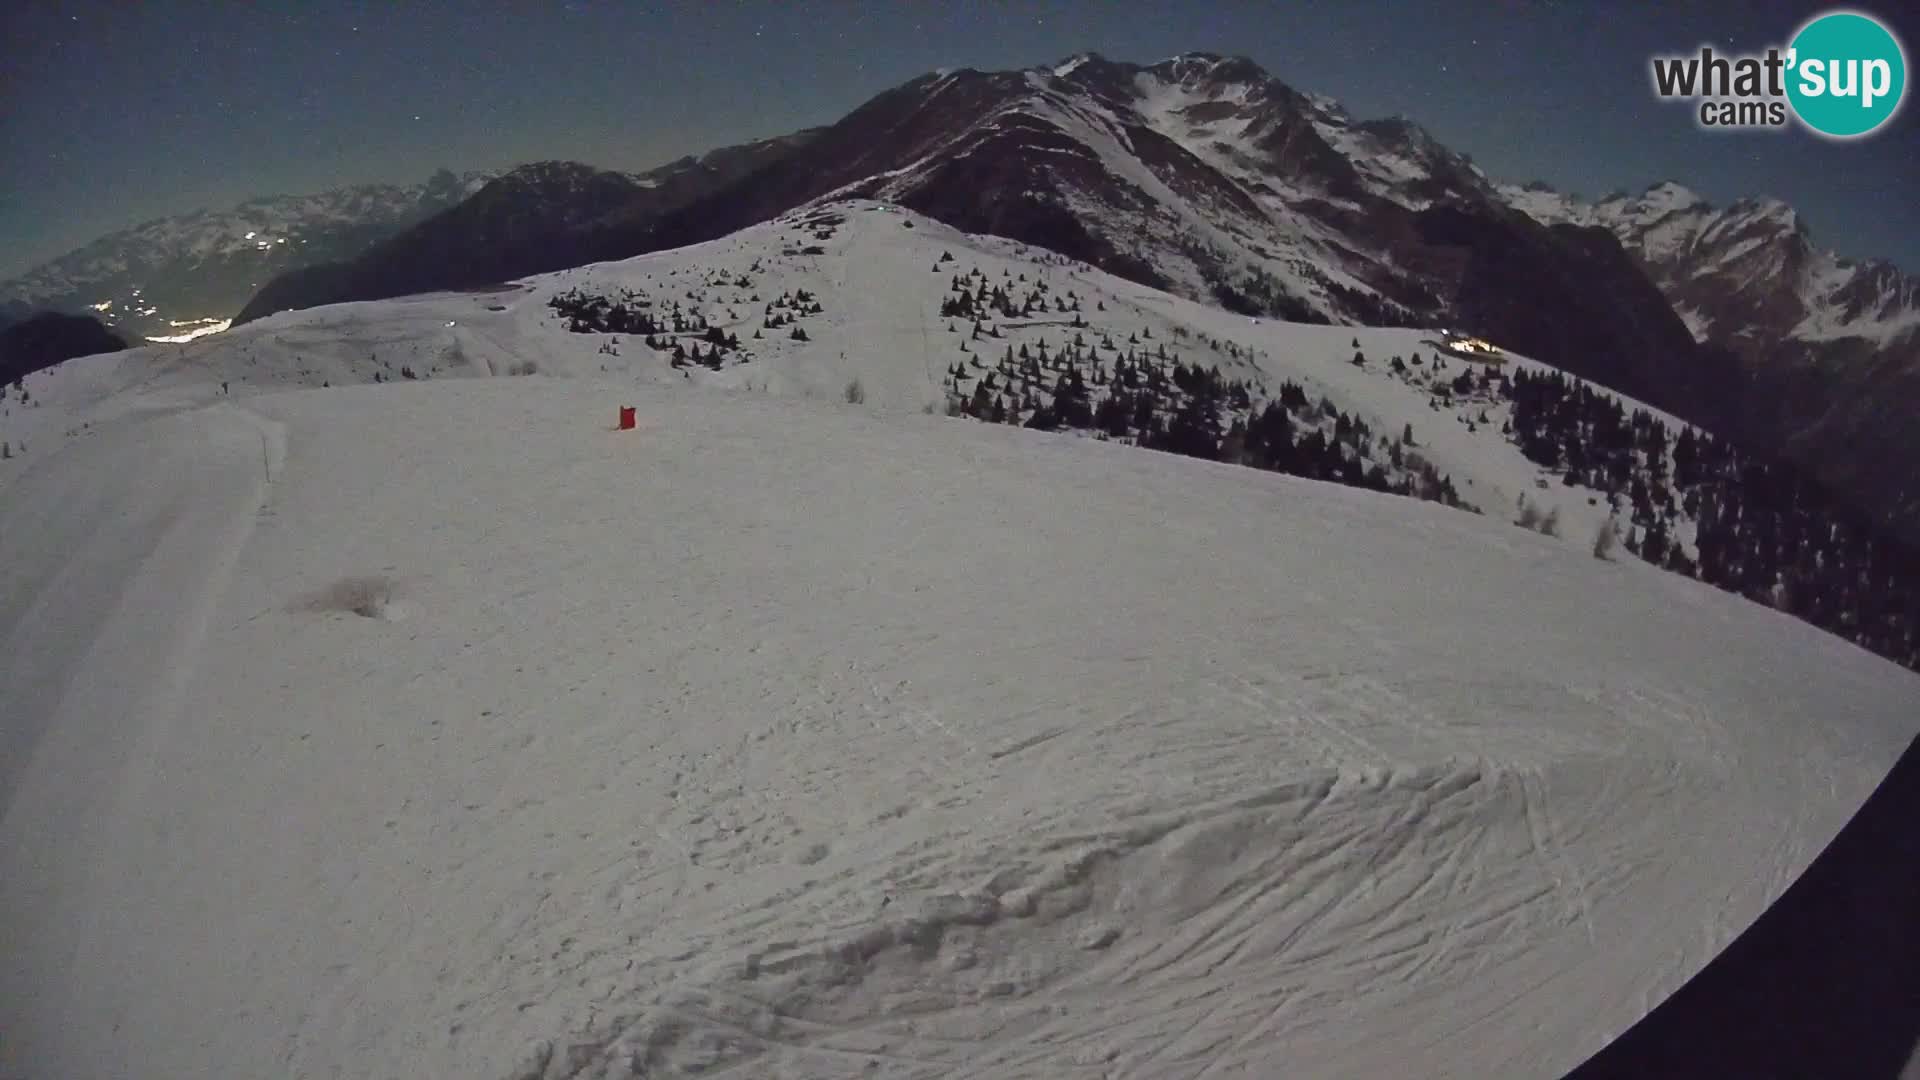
{"x":809,"y":740}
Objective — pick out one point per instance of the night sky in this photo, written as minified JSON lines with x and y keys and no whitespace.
{"x":113,"y":113}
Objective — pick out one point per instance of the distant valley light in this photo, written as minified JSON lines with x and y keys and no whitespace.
{"x":201,"y":328}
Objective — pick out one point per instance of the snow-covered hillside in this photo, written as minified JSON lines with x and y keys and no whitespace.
{"x":441,"y":730}
{"x":437,"y":728}
{"x":879,"y":276}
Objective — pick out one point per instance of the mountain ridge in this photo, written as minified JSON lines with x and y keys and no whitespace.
{"x":172,"y":274}
{"x":535,"y":218}
{"x":1205,"y":175}
{"x":1748,"y":268}
{"x":40,"y":341}
{"x":837,"y":298}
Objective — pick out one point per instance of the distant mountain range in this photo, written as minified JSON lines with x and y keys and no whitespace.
{"x":173,"y":275}
{"x":538,"y":217}
{"x":1745,"y":272}
{"x":1206,"y":176}
{"x":1201,"y":174}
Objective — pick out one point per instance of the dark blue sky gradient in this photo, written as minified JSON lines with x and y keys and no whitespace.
{"x":113,"y":113}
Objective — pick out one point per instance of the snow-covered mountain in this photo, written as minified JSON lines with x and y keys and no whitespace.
{"x":1748,"y":272}
{"x":881,"y":276}
{"x":1201,"y":174}
{"x":440,"y":728}
{"x":529,"y":206}
{"x":924,"y":316}
{"x":1205,"y":176}
{"x":170,"y":276}
{"x":1829,"y":347}
{"x":535,"y":218}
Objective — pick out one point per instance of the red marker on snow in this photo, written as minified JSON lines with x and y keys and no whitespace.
{"x":627,"y":419}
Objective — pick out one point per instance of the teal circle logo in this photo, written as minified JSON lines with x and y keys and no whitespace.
{"x":1846,"y":74}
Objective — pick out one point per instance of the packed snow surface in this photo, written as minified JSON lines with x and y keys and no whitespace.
{"x":789,"y":737}
{"x":439,"y":729}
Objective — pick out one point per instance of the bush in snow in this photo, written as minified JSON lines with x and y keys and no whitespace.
{"x":1550,"y":524}
{"x":1529,"y":515}
{"x":855,"y":394}
{"x":1605,"y":540}
{"x":1546,"y":523}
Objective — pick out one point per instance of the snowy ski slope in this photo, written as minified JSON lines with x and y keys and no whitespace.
{"x":783,"y":737}
{"x":880,"y":284}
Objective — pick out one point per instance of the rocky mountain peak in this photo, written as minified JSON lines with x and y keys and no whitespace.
{"x":1669,"y":195}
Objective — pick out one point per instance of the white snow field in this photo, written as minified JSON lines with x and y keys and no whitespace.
{"x":438,"y":729}
{"x":792,"y":739}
